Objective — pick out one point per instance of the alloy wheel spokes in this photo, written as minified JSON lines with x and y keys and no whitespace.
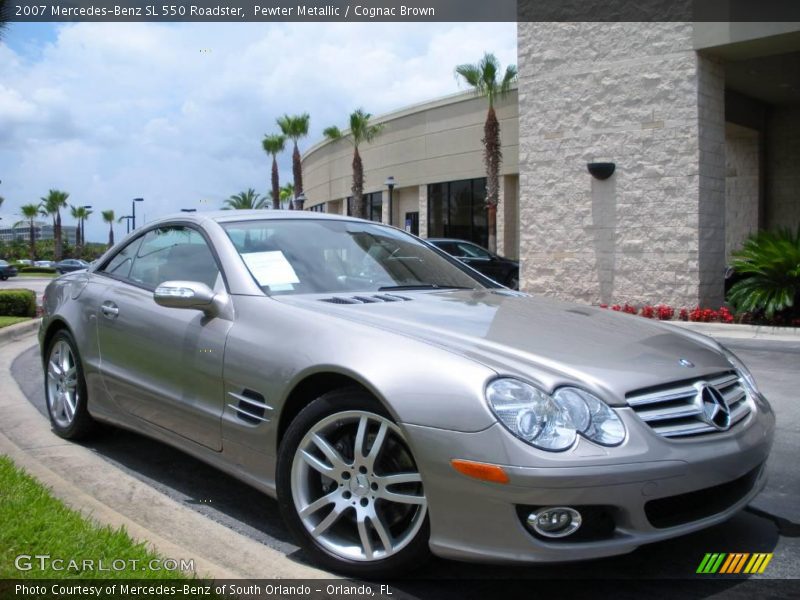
{"x":62,"y":384}
{"x":343,"y":502}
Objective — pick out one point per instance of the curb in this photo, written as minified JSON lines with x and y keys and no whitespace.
{"x":86,"y":482}
{"x":16,"y":332}
{"x":740,"y":331}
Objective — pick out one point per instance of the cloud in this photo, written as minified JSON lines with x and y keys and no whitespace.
{"x":175,"y":113}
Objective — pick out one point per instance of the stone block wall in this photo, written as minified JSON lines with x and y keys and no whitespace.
{"x":638,"y":95}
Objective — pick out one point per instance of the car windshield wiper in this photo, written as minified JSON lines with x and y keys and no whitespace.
{"x":423,"y":286}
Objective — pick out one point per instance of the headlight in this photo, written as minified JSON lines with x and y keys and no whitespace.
{"x":597,"y":421}
{"x":553,"y":422}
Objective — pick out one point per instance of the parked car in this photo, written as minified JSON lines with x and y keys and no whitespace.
{"x":24,"y":261}
{"x":502,"y":270}
{"x":71,"y":264}
{"x":7,"y":270}
{"x":398,"y":403}
{"x":44,"y":263}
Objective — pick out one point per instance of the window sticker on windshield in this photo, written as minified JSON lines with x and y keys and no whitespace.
{"x":271,"y":268}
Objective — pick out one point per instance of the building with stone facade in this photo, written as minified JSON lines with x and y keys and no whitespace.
{"x":702,"y":123}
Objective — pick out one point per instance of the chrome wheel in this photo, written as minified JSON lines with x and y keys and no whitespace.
{"x":356,"y":487}
{"x":62,"y":384}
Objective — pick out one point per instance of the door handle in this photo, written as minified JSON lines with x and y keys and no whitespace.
{"x":109,"y":310}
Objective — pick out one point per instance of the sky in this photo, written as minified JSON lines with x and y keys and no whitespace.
{"x":175,"y":113}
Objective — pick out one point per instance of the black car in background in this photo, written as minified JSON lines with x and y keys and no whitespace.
{"x":6,"y":270}
{"x":71,"y":264}
{"x":502,"y":270}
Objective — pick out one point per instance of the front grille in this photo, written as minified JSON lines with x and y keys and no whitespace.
{"x":677,"y":410}
{"x":685,"y":508}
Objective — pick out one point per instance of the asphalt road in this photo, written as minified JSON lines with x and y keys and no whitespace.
{"x":37,"y":284}
{"x":770,"y":524}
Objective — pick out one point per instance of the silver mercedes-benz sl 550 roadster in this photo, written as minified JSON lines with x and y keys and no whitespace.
{"x":398,"y":402}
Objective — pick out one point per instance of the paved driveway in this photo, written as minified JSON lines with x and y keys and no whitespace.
{"x":770,"y":524}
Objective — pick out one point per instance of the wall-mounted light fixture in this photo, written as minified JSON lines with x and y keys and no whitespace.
{"x":601,"y":170}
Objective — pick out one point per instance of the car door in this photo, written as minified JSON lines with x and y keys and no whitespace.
{"x":163,"y":365}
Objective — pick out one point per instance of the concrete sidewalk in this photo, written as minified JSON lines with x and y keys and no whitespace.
{"x":742,"y":332}
{"x":90,"y":484}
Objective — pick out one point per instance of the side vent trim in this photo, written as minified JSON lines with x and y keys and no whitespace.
{"x":250,"y":407}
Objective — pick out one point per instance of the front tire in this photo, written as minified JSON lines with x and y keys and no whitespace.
{"x":349,"y":488}
{"x":65,"y":389}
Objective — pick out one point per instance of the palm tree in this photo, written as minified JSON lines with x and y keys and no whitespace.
{"x":109,"y":217}
{"x":52,"y":205}
{"x":248,"y":200}
{"x":361,"y":131}
{"x":274,"y":145}
{"x":81,"y":213}
{"x":483,"y":79}
{"x":295,"y":127}
{"x":30,"y":212}
{"x":286,"y":194}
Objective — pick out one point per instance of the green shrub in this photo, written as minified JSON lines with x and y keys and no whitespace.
{"x":770,"y":263}
{"x":17,"y":303}
{"x":29,"y":269}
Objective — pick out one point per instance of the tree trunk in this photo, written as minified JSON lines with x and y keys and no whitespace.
{"x":58,"y":245}
{"x":297,"y":171}
{"x":110,"y":235}
{"x":359,"y":210}
{"x":492,"y":156}
{"x":33,"y":242}
{"x":276,"y":185}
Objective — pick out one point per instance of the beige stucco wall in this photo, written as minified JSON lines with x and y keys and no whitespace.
{"x":427,"y":143}
{"x":640,"y":96}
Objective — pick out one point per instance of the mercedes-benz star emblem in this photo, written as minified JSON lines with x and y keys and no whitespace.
{"x":685,"y":363}
{"x":716,"y":411}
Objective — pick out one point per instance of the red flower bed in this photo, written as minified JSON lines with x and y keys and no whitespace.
{"x":664,"y":312}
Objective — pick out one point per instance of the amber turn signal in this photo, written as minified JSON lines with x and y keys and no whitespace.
{"x":482,"y":471}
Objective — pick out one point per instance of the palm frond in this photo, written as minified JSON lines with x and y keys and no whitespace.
{"x":332,"y":133}
{"x":273,"y":144}
{"x":770,"y":263}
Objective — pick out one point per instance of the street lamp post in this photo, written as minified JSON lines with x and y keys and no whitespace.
{"x":127,"y":223}
{"x":390,"y":184}
{"x":133,"y":210}
{"x":299,"y":201}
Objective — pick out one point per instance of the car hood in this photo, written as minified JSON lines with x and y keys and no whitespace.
{"x":546,"y":341}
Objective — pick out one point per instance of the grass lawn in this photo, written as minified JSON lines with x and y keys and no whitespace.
{"x":34,"y":522}
{"x":6,"y":321}
{"x":39,"y":275}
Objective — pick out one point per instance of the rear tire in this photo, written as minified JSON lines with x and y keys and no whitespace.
{"x":349,"y":488}
{"x":65,"y":389}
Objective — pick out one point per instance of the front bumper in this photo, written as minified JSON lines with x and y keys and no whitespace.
{"x":480,"y":521}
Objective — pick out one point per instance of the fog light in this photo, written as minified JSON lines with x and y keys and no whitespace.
{"x":555,"y":521}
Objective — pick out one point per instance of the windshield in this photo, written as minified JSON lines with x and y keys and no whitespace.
{"x":306,"y":256}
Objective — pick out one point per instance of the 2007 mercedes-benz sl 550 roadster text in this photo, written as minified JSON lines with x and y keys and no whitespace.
{"x":398,"y":402}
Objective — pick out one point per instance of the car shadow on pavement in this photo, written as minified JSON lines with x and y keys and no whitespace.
{"x":252,"y":513}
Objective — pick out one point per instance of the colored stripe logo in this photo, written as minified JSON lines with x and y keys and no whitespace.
{"x":734,"y":563}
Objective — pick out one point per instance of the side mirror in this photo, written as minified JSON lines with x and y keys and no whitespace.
{"x":186,"y":294}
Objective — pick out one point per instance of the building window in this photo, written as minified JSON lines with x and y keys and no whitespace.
{"x":318,"y":207}
{"x":374,"y":204}
{"x":457,"y":209}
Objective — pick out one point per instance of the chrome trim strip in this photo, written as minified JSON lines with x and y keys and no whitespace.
{"x":247,"y":414}
{"x":249,"y":401}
